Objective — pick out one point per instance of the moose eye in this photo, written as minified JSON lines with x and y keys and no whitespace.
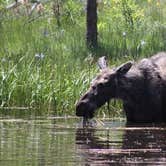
{"x":100,"y":85}
{"x":106,"y":78}
{"x":93,"y":87}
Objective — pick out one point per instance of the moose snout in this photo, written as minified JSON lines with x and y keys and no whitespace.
{"x":85,"y":109}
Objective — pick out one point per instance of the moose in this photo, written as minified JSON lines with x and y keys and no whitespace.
{"x":140,"y":85}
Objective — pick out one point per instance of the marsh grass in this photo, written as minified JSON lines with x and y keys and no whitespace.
{"x":47,"y":67}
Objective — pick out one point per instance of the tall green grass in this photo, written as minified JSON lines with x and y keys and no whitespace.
{"x":46,"y":66}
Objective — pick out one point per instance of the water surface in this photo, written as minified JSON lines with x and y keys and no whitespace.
{"x":58,"y":141}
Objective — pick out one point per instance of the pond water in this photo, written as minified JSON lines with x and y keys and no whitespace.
{"x":61,"y":141}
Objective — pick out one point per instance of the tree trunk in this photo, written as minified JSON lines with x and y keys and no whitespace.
{"x":56,"y":11}
{"x":91,"y":17}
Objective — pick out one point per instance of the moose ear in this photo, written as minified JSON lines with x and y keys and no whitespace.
{"x":102,"y":63}
{"x":124,"y":68}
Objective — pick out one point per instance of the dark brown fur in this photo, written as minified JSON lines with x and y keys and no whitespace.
{"x":141,"y":86}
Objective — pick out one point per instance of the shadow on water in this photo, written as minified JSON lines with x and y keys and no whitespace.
{"x":128,"y":145}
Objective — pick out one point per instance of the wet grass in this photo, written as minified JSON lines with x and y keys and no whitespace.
{"x":44,"y":66}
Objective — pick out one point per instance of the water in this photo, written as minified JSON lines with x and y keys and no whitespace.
{"x":55,"y":141}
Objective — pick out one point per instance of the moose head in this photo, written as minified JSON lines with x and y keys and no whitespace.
{"x":103,"y":88}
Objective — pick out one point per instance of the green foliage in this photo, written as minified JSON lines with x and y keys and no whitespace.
{"x":44,"y":60}
{"x":131,"y":28}
{"x":127,"y":12}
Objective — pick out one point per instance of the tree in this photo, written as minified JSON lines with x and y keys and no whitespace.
{"x":91,"y":17}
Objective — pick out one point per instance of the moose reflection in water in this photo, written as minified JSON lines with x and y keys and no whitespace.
{"x":141,"y":86}
{"x":126,"y":145}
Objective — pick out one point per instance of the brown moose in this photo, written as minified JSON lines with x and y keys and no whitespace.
{"x":141,"y":86}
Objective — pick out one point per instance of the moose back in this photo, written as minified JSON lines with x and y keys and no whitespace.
{"x":141,"y":86}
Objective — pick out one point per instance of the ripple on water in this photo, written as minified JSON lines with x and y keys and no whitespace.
{"x":50,"y":140}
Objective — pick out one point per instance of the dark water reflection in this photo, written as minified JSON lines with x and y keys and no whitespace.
{"x":128,"y":145}
{"x":47,"y":141}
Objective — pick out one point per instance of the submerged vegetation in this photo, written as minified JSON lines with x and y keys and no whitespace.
{"x":44,"y":62}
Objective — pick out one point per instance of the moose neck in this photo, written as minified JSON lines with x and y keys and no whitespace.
{"x":126,"y":87}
